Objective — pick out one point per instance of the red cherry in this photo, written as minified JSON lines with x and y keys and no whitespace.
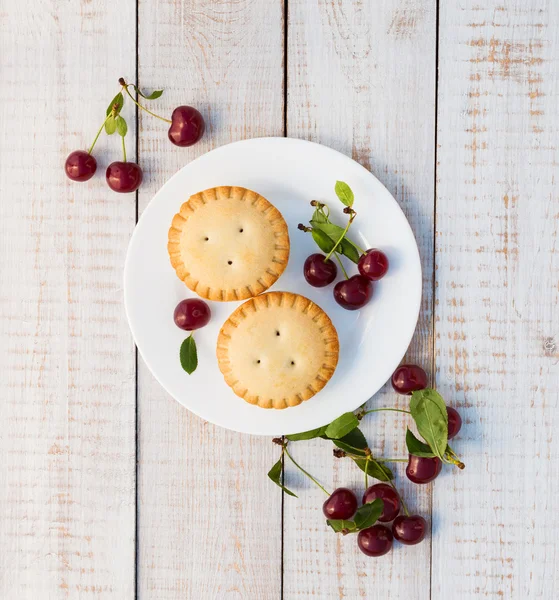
{"x":318,"y":272}
{"x":375,"y":540}
{"x":422,"y":469}
{"x":192,"y":314}
{"x":353,"y":293}
{"x":342,"y":504}
{"x":80,"y":165}
{"x":187,"y":126}
{"x":124,"y":177}
{"x":373,"y":264}
{"x":454,"y":422}
{"x":409,"y":530}
{"x":389,"y":497}
{"x":409,"y":378}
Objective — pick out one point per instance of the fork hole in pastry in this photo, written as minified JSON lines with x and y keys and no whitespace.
{"x":277,"y":332}
{"x":258,"y":362}
{"x":206,"y":239}
{"x":229,"y":262}
{"x":292,"y":363}
{"x":241,"y":230}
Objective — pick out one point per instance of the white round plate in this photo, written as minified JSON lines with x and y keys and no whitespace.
{"x":289,"y":173}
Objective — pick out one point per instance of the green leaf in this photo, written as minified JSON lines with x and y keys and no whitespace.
{"x":322,"y":240}
{"x":349,"y":250}
{"x":373,"y":469}
{"x":339,"y":525}
{"x":319,"y":216}
{"x":121,"y":126}
{"x":349,"y":448}
{"x":368,"y":514}
{"x":344,"y":193}
{"x":355,"y":438}
{"x":189,"y":355}
{"x":429,"y":413}
{"x":334,"y":232}
{"x":110,"y":125}
{"x":306,"y":435}
{"x":153,"y":96}
{"x":417,"y":447}
{"x":275,"y":475}
{"x":117,"y":103}
{"x":342,"y":426}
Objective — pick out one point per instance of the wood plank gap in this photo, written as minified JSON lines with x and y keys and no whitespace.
{"x":434,"y":278}
{"x":137,"y":412}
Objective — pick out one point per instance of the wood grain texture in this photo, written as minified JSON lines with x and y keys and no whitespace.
{"x":362,"y":80}
{"x":497,"y":295}
{"x":67,"y":438}
{"x":209,"y":524}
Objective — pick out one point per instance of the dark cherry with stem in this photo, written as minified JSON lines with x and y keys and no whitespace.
{"x":81,"y":165}
{"x":422,"y":469}
{"x":341,"y":504}
{"x":353,"y":293}
{"x":375,"y":540}
{"x":318,"y":271}
{"x":373,"y":264}
{"x":187,"y":124}
{"x":409,"y":530}
{"x":409,"y":378}
{"x":192,"y":314}
{"x":122,"y":176}
{"x":390,"y":498}
{"x":454,"y":422}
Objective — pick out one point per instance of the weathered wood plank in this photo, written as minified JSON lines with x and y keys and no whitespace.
{"x":209,"y":527}
{"x":362,"y":80}
{"x":67,"y":438}
{"x":497,"y":296}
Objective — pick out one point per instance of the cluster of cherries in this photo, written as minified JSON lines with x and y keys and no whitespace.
{"x":407,"y":529}
{"x":354,"y":292}
{"x":186,"y":128}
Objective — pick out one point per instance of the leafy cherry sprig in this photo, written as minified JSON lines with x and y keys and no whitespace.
{"x":330,"y":237}
{"x":428,"y":411}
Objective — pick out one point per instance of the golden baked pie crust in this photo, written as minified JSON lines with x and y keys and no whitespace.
{"x":277,"y":350}
{"x":228,"y":243}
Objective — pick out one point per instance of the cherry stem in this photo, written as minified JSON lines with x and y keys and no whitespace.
{"x":341,"y":264}
{"x":406,"y":511}
{"x":303,"y":470}
{"x":366,"y":474}
{"x":373,"y":410}
{"x":98,"y":134}
{"x":125,"y":88}
{"x":392,"y":460}
{"x":342,"y":236}
{"x":124,"y":153}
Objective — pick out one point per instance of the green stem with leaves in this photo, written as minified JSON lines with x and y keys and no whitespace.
{"x":350,"y":221}
{"x":123,"y":148}
{"x":303,"y":470}
{"x":125,"y":88}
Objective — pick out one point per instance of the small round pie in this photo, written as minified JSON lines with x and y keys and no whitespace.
{"x":228,"y":243}
{"x":277,"y":350}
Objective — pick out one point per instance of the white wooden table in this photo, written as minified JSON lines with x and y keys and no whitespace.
{"x":108,"y":487}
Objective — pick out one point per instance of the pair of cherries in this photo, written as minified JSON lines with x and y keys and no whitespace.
{"x":407,"y":379}
{"x":352,"y":293}
{"x":187,"y":127}
{"x":377,"y":540}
